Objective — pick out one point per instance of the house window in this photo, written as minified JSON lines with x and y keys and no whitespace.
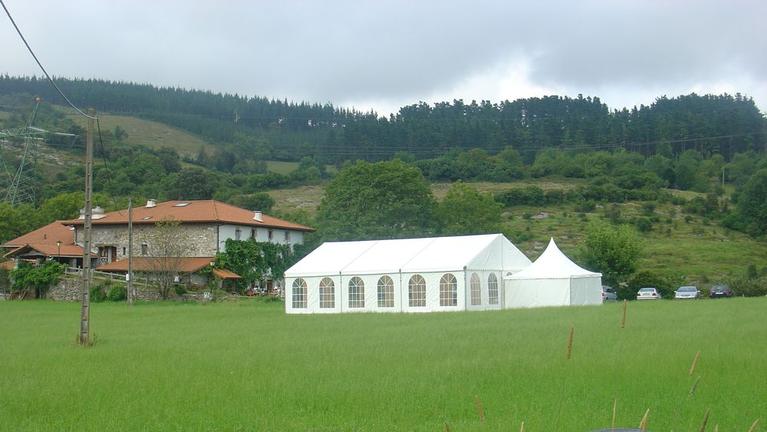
{"x":476,"y":290}
{"x":356,"y":293}
{"x":252,"y":233}
{"x":492,"y":289}
{"x":416,"y":291}
{"x":327,"y":293}
{"x":144,"y":249}
{"x":237,"y":234}
{"x":385,"y":292}
{"x":299,"y":294}
{"x":287,"y":236}
{"x":124,"y":251}
{"x":271,"y":235}
{"x":448,"y":290}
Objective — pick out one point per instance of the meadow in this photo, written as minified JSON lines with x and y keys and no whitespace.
{"x":247,"y":365}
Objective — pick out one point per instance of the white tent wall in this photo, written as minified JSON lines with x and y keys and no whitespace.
{"x":400,"y":282}
{"x":536,"y":293}
{"x":484,"y":289}
{"x":585,"y":291}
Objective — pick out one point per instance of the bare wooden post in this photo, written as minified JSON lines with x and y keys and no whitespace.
{"x":480,"y":409}
{"x":705,"y":421}
{"x":625,"y":305}
{"x":615,"y":409}
{"x":694,"y":386}
{"x":753,"y":426}
{"x":570,"y":343}
{"x":694,"y":363}
{"x":130,"y":251}
{"x":643,"y":423}
{"x":522,"y":427}
{"x":85,"y":307}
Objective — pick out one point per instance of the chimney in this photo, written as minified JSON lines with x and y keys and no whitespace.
{"x":258,"y":216}
{"x":151,"y":203}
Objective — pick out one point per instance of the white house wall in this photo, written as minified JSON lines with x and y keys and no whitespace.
{"x":226,"y":232}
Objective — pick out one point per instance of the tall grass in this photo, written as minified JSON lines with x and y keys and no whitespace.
{"x":248,"y":366}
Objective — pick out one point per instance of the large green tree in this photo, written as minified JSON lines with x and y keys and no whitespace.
{"x":752,"y":203}
{"x":377,"y":200}
{"x":464,"y":210}
{"x":612,"y":250}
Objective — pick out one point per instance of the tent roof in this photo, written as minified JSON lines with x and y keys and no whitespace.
{"x":409,"y":256}
{"x":552,"y":264}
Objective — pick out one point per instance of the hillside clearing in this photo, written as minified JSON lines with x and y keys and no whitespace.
{"x":152,"y":134}
{"x":248,"y":366}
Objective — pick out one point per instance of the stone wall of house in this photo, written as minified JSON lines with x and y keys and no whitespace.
{"x":68,"y":289}
{"x":200,"y":238}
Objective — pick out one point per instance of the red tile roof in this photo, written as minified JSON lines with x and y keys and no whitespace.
{"x":225,"y":274}
{"x":194,"y":211}
{"x":49,"y":234}
{"x":49,"y":250}
{"x":149,"y":264}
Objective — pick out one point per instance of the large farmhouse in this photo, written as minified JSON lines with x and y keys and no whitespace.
{"x":203,"y":225}
{"x":207,"y":224}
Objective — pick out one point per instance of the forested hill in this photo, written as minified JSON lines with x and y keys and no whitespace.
{"x":274,"y":129}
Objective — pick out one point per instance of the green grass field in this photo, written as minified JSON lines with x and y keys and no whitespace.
{"x":248,"y":366}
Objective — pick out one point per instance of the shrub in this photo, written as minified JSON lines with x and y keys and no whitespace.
{"x":742,"y":286}
{"x":648,"y":207}
{"x":98,"y":293}
{"x":180,"y":289}
{"x":643,"y":224}
{"x":117,"y":293}
{"x":585,"y":206}
{"x":38,"y":278}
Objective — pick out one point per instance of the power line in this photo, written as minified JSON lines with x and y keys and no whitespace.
{"x":23,"y":39}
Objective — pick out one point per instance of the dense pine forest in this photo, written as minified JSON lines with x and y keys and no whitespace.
{"x":283,"y":130}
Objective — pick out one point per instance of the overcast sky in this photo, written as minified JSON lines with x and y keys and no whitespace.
{"x":385,"y":54}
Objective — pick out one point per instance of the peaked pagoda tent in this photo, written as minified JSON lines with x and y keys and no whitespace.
{"x":552,"y":280}
{"x":406,"y":275}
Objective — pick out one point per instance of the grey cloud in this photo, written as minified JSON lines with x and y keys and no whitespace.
{"x":392,"y":50}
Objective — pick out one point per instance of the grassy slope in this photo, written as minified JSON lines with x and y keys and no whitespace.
{"x":152,"y":134}
{"x":248,"y":366}
{"x":695,"y":250}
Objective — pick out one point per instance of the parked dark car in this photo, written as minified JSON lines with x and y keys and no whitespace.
{"x":719,"y":291}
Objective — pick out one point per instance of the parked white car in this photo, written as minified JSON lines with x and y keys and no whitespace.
{"x":608,"y":294}
{"x":687,"y":292}
{"x":648,"y":294}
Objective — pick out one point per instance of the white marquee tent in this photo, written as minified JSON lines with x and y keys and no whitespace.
{"x":552,"y":280}
{"x":407,"y":275}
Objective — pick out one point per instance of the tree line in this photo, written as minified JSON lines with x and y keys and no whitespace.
{"x":279,"y":129}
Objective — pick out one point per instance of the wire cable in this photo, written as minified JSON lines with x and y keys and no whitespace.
{"x":23,"y":39}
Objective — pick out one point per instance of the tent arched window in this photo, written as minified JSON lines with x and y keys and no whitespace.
{"x":492,"y":289}
{"x":476,"y":290}
{"x":299,"y":294}
{"x":385,"y":292}
{"x":448,"y":290}
{"x":356,"y":293}
{"x":327,"y":293}
{"x":416,"y":291}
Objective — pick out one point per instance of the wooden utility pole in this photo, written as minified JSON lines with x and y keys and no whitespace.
{"x":130,"y":251}
{"x":85,"y":308}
